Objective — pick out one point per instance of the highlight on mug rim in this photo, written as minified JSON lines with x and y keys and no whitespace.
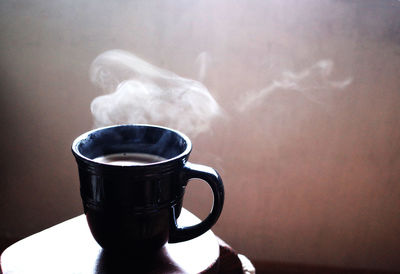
{"x":76,"y":143}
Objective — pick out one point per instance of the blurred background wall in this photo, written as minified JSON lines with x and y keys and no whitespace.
{"x":309,"y":143}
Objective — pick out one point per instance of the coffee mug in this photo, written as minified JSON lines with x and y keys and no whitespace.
{"x":132,"y":183}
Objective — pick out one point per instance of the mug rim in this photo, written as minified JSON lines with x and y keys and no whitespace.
{"x":83,"y":136}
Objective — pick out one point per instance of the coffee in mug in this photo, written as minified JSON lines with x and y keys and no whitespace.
{"x":129,"y":159}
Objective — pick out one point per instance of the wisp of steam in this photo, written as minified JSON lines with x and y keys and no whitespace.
{"x":310,"y":82}
{"x":137,"y":92}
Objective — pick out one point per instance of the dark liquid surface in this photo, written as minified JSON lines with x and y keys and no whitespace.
{"x":129,"y":159}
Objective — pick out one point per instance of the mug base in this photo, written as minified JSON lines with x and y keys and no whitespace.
{"x":129,"y":233}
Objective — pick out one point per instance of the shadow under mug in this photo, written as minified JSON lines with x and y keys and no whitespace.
{"x":135,"y":207}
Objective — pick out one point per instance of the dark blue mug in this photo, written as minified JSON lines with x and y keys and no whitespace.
{"x":132,"y":182}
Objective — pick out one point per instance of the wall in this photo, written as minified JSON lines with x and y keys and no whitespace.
{"x":308,"y":145}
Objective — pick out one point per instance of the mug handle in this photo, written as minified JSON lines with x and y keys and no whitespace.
{"x":210,"y":176}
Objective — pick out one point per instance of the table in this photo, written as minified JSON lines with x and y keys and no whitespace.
{"x":70,"y":248}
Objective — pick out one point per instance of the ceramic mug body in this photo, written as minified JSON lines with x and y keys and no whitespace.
{"x":135,"y":206}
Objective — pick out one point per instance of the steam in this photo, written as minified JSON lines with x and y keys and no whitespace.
{"x":202,"y":61}
{"x":139,"y":92}
{"x":306,"y":82}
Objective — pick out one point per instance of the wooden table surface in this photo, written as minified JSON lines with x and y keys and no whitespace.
{"x":70,"y":248}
